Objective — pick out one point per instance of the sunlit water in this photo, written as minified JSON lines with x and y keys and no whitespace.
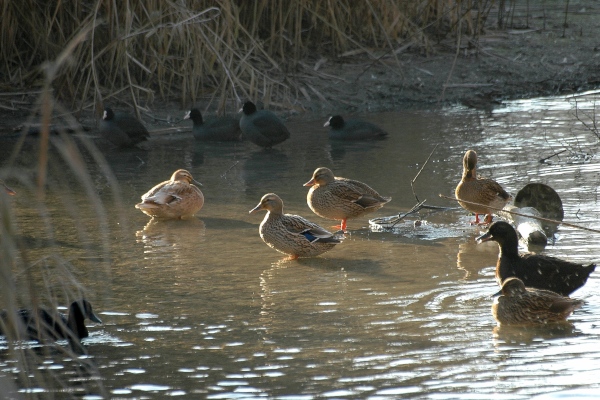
{"x":204,"y":309}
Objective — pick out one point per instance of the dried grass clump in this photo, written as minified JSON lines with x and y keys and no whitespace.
{"x":42,"y":265}
{"x":215,"y":51}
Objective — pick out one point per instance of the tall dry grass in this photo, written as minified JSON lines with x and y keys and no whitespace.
{"x":51,"y":175}
{"x":217,"y":51}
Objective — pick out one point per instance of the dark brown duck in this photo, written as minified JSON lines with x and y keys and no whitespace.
{"x":51,"y":325}
{"x":535,"y":270}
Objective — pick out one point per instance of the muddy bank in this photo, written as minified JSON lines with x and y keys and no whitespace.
{"x":537,"y":56}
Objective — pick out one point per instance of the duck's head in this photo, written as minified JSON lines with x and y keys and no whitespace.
{"x":321,"y":176}
{"x":512,"y":287}
{"x":470,"y":163}
{"x":500,"y":232}
{"x":182,"y":175}
{"x":248,"y":108}
{"x":269,"y":202}
{"x":195,"y":115}
{"x":84,"y":308}
{"x":335,"y":122}
{"x":108,"y":114}
{"x":79,"y":311}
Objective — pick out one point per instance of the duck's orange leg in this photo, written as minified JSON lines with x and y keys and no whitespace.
{"x":486,"y":221}
{"x":341,"y":226}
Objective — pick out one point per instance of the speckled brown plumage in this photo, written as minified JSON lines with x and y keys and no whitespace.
{"x":292,"y":234}
{"x":519,"y":305}
{"x":535,"y":270}
{"x":486,"y":192}
{"x":176,"y":198}
{"x":338,"y":198}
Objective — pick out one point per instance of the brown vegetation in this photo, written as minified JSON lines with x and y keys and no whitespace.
{"x":217,"y":51}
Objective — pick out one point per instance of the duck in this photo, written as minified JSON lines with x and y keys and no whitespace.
{"x":485,"y":192}
{"x":516,"y":304}
{"x":337,"y":198}
{"x":291,"y":234}
{"x":46,"y":325}
{"x":122,"y":129}
{"x":7,"y":190}
{"x":223,"y":129}
{"x":177,"y":198}
{"x":353,"y":129}
{"x":535,"y":270}
{"x":262,"y":128}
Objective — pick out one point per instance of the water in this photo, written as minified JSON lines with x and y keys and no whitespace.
{"x":204,"y":309}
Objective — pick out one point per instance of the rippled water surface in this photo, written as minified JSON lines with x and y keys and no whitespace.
{"x":204,"y":309}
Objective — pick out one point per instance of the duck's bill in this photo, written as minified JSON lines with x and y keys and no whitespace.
{"x":484,"y":238}
{"x":94,"y":318}
{"x":255,"y":209}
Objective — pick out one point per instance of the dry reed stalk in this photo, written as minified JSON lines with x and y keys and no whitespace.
{"x":36,"y":276}
{"x":186,"y":51}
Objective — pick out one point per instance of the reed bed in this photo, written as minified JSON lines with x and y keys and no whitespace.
{"x":36,"y":270}
{"x":217,"y":51}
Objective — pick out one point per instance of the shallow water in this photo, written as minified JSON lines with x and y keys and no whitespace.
{"x":204,"y":309}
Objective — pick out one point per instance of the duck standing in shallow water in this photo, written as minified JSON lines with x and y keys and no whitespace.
{"x":486,"y":192}
{"x":338,"y":198}
{"x":49,"y":325}
{"x":263,"y":128}
{"x":535,"y":270}
{"x":223,"y":129}
{"x":121,"y":129}
{"x":292,"y":234}
{"x":518,"y":305}
{"x":353,"y":129}
{"x":176,"y":198}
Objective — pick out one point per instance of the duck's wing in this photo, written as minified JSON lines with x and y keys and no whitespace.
{"x":312,"y":232}
{"x":166,"y":193}
{"x":565,"y":305}
{"x":492,"y":189}
{"x":134,"y":128}
{"x":560,"y":276}
{"x":357,"y":192}
{"x":271,"y":126}
{"x":154,"y":190}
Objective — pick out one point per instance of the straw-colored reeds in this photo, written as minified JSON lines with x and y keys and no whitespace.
{"x":218,"y":51}
{"x":41,"y":265}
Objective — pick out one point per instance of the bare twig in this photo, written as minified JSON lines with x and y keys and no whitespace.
{"x":521,"y":214}
{"x":419,"y":173}
{"x":543,"y":160}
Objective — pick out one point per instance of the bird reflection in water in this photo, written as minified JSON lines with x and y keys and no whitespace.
{"x":472,"y":258}
{"x":165,"y":238}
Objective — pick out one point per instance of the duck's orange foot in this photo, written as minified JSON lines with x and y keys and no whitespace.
{"x":486,"y":221}
{"x":291,"y":257}
{"x":476,"y":222}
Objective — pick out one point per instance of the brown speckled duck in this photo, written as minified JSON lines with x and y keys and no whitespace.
{"x":338,"y":198}
{"x":486,"y":192}
{"x":292,"y":234}
{"x":535,"y":270}
{"x":176,"y":198}
{"x":518,"y":305}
